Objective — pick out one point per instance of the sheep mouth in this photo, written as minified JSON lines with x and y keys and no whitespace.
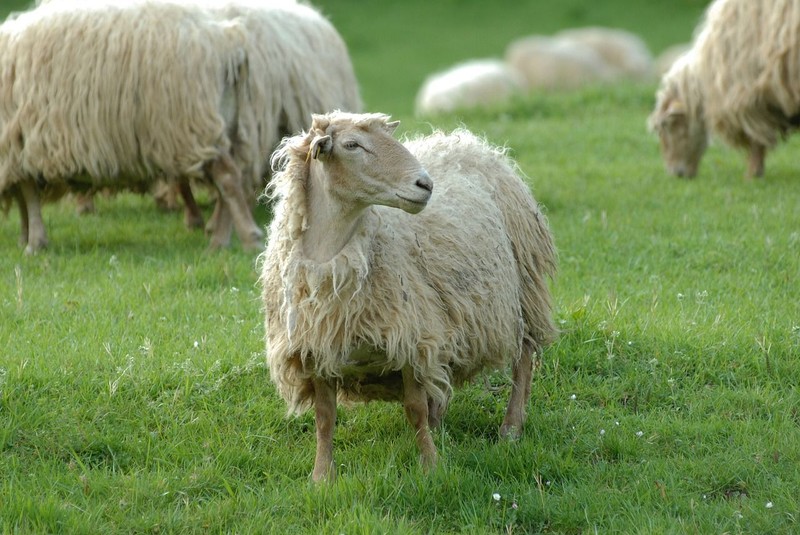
{"x":413,"y":205}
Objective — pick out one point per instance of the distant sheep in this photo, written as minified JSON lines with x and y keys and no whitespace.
{"x":741,"y":80}
{"x":368,"y":302}
{"x":625,"y":52}
{"x":669,"y":56}
{"x":547,"y":63}
{"x":117,"y":94}
{"x":471,"y":84}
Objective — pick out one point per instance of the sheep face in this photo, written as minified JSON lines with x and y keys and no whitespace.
{"x":365,"y":165}
{"x":683,"y":139}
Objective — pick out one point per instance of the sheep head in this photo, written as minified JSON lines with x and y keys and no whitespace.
{"x":679,"y":122}
{"x":363,"y":164}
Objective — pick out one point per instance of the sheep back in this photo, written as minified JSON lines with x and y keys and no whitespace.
{"x":110,"y":89}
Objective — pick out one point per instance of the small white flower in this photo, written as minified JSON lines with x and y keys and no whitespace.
{"x":680,"y":296}
{"x":196,"y":345}
{"x":640,"y":434}
{"x":602,"y":432}
{"x":514,"y":505}
{"x":616,"y":423}
{"x":769,"y":505}
{"x":496,"y":497}
{"x":573,"y":397}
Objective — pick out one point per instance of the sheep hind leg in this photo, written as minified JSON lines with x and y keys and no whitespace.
{"x":520,"y":394}
{"x":23,"y":215}
{"x":227,"y":178}
{"x":755,"y":161}
{"x":192,"y":216}
{"x":436,"y":410}
{"x":325,"y":420}
{"x":37,"y":235}
{"x":415,"y":403}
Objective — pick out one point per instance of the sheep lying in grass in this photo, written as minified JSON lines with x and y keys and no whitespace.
{"x":468,"y":85}
{"x":740,"y":80}
{"x":624,"y":52}
{"x":552,"y":64}
{"x":366,"y":300}
{"x":117,"y":94}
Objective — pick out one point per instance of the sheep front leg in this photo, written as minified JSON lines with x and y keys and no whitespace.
{"x":520,"y":394}
{"x":23,"y":215}
{"x":415,"y":403}
{"x":755,"y":162}
{"x":325,"y":419}
{"x":37,"y":235}
{"x":227,"y":178}
{"x":192,"y":216}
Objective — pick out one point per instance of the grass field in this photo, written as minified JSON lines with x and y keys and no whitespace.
{"x":134,"y":397}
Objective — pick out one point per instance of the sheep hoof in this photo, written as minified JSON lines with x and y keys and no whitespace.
{"x":510,"y":432}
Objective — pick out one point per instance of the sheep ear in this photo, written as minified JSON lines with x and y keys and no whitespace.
{"x":320,"y":145}
{"x":392,"y":126}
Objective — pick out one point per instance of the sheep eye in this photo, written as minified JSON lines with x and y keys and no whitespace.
{"x":350,"y":145}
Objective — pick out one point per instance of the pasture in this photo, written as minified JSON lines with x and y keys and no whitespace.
{"x":134,"y":395}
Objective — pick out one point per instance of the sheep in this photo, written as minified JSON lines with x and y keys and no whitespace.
{"x":366,"y":301}
{"x":116,"y":94}
{"x":551,"y":64}
{"x":470,"y":84}
{"x":740,"y":80}
{"x":298,"y":65}
{"x":669,"y":56}
{"x":625,"y":52}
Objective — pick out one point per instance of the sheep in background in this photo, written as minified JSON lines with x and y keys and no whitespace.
{"x":551,"y":64}
{"x":116,"y":94}
{"x":366,"y":301}
{"x":298,"y":65}
{"x":470,"y":84}
{"x":624,"y":52}
{"x":741,"y":81}
{"x":669,"y":56}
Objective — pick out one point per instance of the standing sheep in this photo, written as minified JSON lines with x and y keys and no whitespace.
{"x":117,"y":94}
{"x":740,"y":80}
{"x":468,"y":85}
{"x":366,"y":301}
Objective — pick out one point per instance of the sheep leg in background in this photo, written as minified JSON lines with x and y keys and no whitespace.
{"x":220,"y":222}
{"x":415,"y":403}
{"x":84,"y":203}
{"x":192,"y":216}
{"x":226,"y":176}
{"x":435,"y":412}
{"x":325,"y":419}
{"x":755,"y":162}
{"x":37,"y":235}
{"x":23,"y":215}
{"x":520,"y":394}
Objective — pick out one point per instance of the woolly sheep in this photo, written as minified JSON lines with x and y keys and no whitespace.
{"x":625,"y":52}
{"x":298,"y":65}
{"x":551,"y":64}
{"x":366,"y":301}
{"x":740,"y":80}
{"x":470,"y":84}
{"x":118,"y":93}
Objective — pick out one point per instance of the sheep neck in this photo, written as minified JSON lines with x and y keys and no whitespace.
{"x":332,"y":221}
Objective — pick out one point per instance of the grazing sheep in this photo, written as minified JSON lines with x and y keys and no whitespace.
{"x":468,"y":85}
{"x":366,"y":301}
{"x":552,"y":64}
{"x":116,"y":94}
{"x":740,"y":80}
{"x":625,"y":52}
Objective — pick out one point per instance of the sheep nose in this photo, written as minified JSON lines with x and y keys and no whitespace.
{"x":424,"y":181}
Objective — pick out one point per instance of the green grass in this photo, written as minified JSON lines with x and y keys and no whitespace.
{"x":134,"y":397}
